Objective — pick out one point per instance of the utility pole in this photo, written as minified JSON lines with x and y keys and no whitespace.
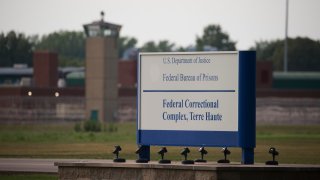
{"x":285,"y":62}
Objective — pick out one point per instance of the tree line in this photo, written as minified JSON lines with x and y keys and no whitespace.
{"x":15,"y":48}
{"x":303,"y":53}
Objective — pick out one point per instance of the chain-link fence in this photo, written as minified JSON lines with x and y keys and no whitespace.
{"x":127,"y":109}
{"x":288,"y":110}
{"x":70,"y":109}
{"x":56,"y":109}
{"x":41,"y":109}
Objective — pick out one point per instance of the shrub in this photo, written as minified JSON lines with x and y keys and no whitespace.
{"x":92,"y":126}
{"x":111,"y":127}
{"x":77,"y":127}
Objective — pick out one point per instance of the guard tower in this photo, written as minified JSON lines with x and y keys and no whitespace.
{"x":101,"y":70}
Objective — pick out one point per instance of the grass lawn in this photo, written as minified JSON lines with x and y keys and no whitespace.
{"x":27,"y":176}
{"x":296,"y":144}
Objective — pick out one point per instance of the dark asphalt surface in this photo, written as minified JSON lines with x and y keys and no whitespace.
{"x":47,"y":165}
{"x":30,"y":165}
{"x":39,"y":165}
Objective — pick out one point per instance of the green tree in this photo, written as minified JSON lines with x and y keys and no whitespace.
{"x":149,"y":46}
{"x":303,"y":53}
{"x":125,"y":43}
{"x":162,"y":46}
{"x":15,"y":48}
{"x":68,"y":44}
{"x":265,"y":49}
{"x":214,"y":36}
{"x":165,"y":46}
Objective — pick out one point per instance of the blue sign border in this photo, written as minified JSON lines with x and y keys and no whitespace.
{"x":245,"y":137}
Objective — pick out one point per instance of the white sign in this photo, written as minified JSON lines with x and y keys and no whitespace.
{"x":188,"y":91}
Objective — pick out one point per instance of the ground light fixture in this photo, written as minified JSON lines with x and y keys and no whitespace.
{"x":116,"y":152}
{"x":225,"y":152}
{"x":140,"y":160}
{"x":185,"y":151}
{"x":162,"y":151}
{"x":274,"y":153}
{"x":29,"y":93}
{"x":202,"y":152}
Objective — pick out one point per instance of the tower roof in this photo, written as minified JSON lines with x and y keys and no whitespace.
{"x":102,"y":25}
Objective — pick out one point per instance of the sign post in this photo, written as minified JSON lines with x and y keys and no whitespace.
{"x":197,"y":99}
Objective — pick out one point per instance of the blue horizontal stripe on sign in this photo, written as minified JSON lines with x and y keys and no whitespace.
{"x":189,"y":91}
{"x":188,"y":138}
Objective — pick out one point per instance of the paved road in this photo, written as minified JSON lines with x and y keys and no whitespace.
{"x":30,"y":165}
{"x":38,"y":165}
{"x":47,"y":165}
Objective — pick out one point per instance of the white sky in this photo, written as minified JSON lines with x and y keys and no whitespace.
{"x":178,"y":21}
